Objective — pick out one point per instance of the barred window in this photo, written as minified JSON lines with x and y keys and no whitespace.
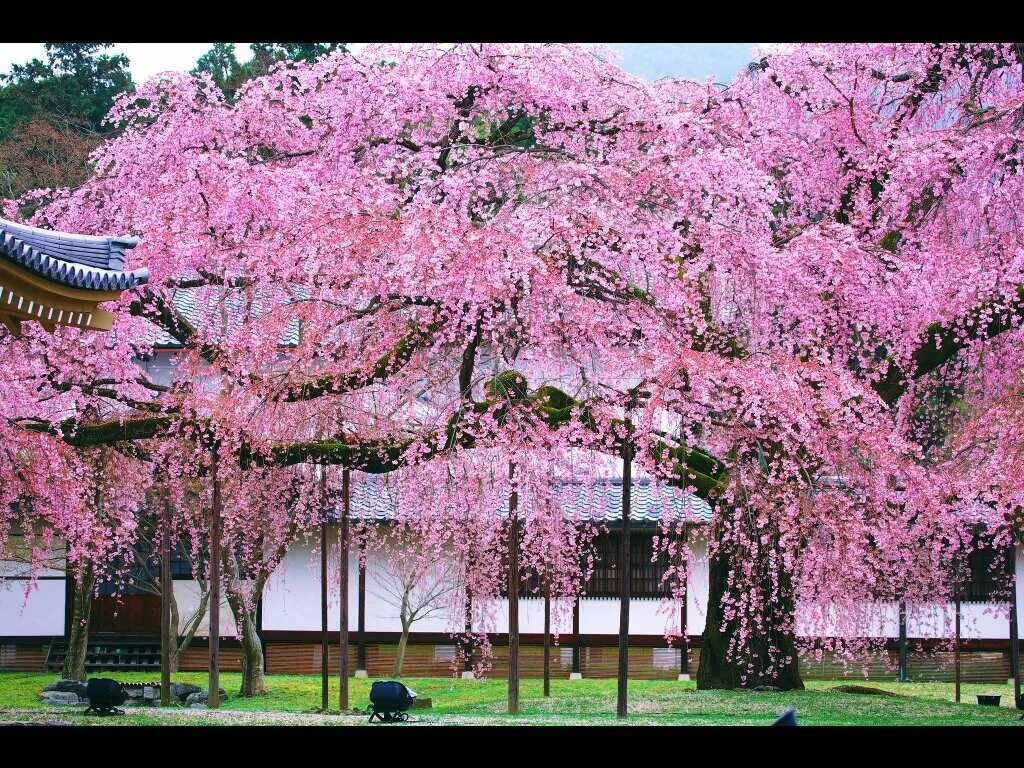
{"x":646,"y":576}
{"x":987,"y":579}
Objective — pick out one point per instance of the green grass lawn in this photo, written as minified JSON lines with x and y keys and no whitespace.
{"x":292,"y":699}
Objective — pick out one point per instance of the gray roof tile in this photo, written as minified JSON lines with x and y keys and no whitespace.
{"x":80,"y":261}
{"x":373,"y":498}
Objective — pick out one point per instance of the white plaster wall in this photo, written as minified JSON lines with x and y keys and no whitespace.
{"x":292,"y":602}
{"x":935,"y":620}
{"x":697,"y":591}
{"x":600,"y":616}
{"x":41,"y":614}
{"x":291,"y":599}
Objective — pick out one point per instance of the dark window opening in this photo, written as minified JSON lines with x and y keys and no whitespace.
{"x":646,"y":577}
{"x":987,"y":578}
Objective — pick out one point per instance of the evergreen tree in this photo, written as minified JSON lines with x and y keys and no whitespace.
{"x":228,"y":73}
{"x":51,"y":115}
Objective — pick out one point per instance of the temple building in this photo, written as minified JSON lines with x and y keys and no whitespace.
{"x":56,"y":278}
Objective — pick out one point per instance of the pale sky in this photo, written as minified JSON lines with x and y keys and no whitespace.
{"x":697,"y":61}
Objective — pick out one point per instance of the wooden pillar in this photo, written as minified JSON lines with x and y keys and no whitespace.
{"x":547,"y":639}
{"x":576,"y":646}
{"x":1014,"y":634}
{"x":625,"y":572}
{"x":902,"y":670}
{"x":361,"y":642}
{"x":264,"y":643}
{"x":324,"y":640}
{"x":513,"y":597}
{"x":467,"y":667}
{"x":684,"y":642}
{"x":213,"y":689}
{"x":166,"y":585}
{"x":343,"y":585}
{"x":956,"y":641}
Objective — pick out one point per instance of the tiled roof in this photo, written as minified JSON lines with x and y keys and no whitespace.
{"x":185,"y":303}
{"x":80,"y":261}
{"x":373,"y":498}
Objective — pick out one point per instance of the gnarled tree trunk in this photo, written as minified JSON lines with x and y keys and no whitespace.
{"x":78,"y":637}
{"x":253,"y":678}
{"x":750,"y":667}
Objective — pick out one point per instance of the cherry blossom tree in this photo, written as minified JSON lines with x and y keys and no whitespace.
{"x":485,"y":252}
{"x":413,"y":578}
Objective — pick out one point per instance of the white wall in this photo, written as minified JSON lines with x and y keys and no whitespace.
{"x":291,"y":599}
{"x":292,"y":602}
{"x":41,"y":611}
{"x":697,"y":591}
{"x":41,"y":614}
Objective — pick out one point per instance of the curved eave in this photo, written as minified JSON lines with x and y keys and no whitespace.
{"x":69,"y":273}
{"x":86,"y":262}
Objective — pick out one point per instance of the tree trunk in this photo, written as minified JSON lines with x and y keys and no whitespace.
{"x":720,"y":669}
{"x":403,"y":641}
{"x":253,"y":680}
{"x":78,"y":638}
{"x":174,"y":650}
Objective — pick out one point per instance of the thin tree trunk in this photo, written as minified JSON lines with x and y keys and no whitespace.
{"x":78,"y":639}
{"x":717,"y":669}
{"x":175,"y":648}
{"x":403,"y":642}
{"x":547,"y":639}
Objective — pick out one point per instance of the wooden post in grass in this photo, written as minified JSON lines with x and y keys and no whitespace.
{"x":903,"y":643}
{"x":513,"y":596}
{"x":956,"y":642}
{"x":213,"y":690}
{"x":576,"y":646}
{"x":166,"y":585}
{"x":1014,"y":636}
{"x":547,"y":638}
{"x":324,"y":640}
{"x":684,"y":643}
{"x":624,"y":573}
{"x":467,"y":668}
{"x":343,"y":585}
{"x":361,"y":609}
